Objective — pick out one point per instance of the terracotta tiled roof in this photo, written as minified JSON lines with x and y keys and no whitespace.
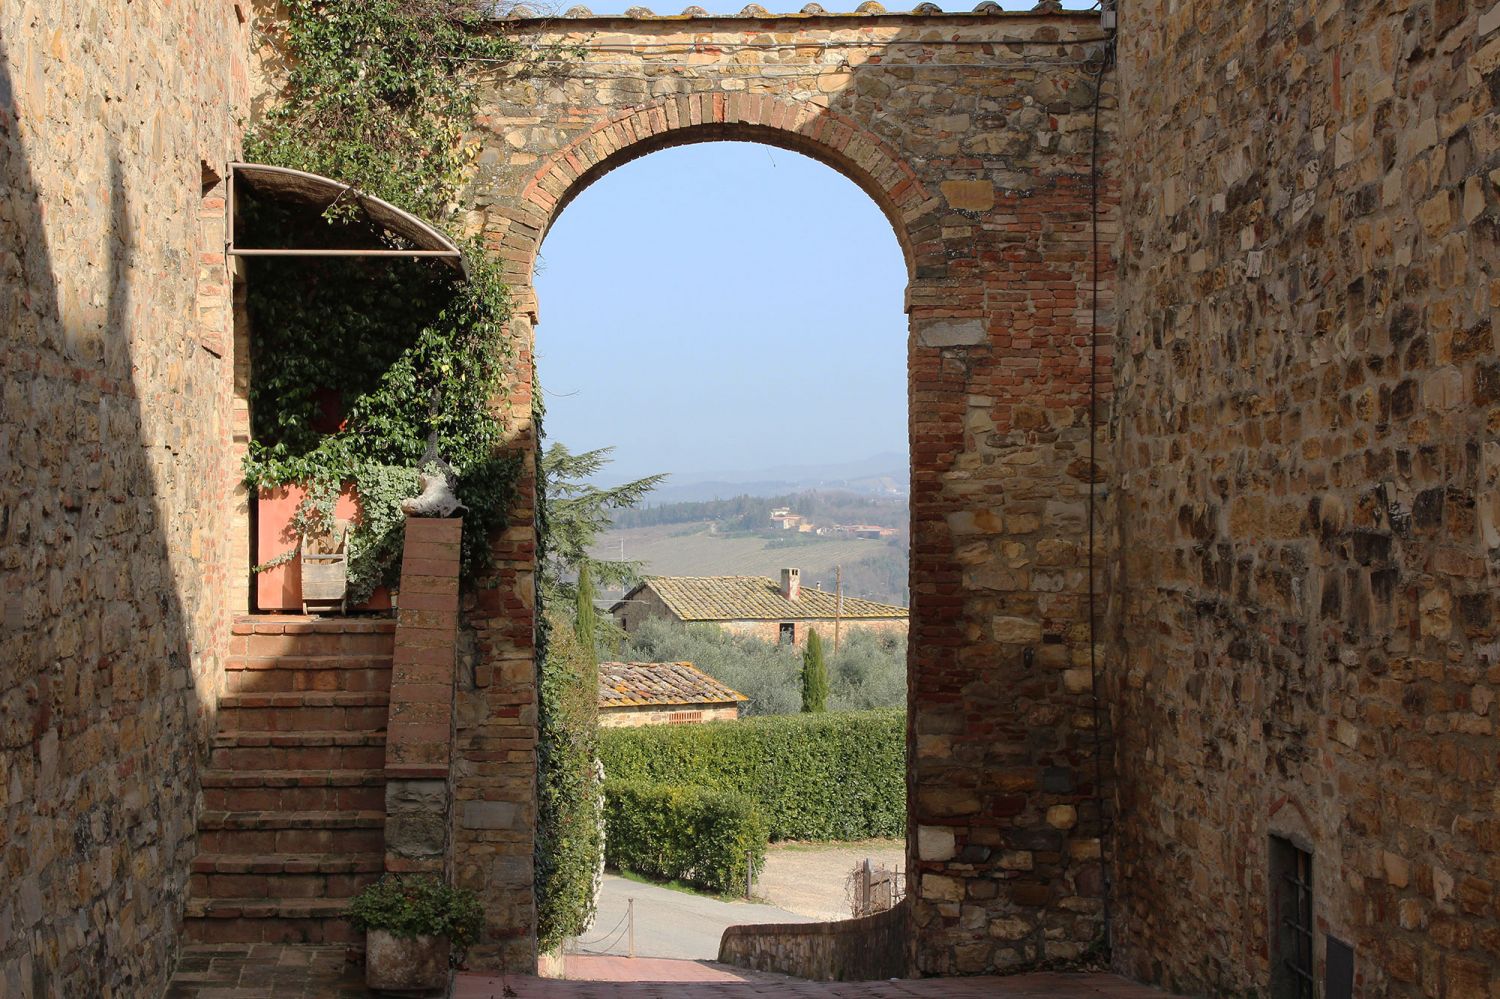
{"x":630,"y":684}
{"x":755,"y":598}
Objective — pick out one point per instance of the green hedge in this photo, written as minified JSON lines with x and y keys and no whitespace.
{"x":835,"y":776}
{"x":692,"y":834}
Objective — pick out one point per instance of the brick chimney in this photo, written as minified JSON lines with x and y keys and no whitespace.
{"x":791,"y":584}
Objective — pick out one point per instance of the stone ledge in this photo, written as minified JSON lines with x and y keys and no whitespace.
{"x":866,"y":11}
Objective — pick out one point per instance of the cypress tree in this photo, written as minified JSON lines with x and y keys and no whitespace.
{"x":585,"y":619}
{"x":814,"y":675}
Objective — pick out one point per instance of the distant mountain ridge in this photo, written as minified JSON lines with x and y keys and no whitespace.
{"x":884,"y":474}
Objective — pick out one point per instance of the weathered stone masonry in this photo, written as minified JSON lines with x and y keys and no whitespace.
{"x":114,"y":468}
{"x":1309,"y":520}
{"x":973,"y":134}
{"x":1300,"y":498}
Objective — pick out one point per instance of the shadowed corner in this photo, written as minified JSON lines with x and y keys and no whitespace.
{"x":99,"y":725}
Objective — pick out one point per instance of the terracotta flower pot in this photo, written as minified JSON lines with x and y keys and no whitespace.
{"x":405,"y":964}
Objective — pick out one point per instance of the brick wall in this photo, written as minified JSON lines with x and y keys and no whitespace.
{"x":973,"y":133}
{"x":114,"y":427}
{"x":1308,"y":405}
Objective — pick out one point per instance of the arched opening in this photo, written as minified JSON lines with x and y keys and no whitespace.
{"x":727,"y":313}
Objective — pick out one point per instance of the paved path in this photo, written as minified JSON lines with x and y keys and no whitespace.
{"x":591,"y":968}
{"x":668,"y":923}
{"x":291,"y":971}
{"x":813,"y":878}
{"x":1045,"y":986}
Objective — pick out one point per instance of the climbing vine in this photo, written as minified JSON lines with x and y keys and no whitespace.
{"x":372,"y":96}
{"x":368,"y":369}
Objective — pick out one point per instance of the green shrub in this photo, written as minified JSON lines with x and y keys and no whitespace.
{"x":832,"y":776}
{"x":420,"y":905}
{"x":568,"y":794}
{"x":676,"y":832}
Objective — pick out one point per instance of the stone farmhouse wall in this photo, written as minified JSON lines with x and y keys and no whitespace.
{"x":667,"y":714}
{"x":647,"y":604}
{"x":1308,"y":403}
{"x":115,"y":120}
{"x":975,"y":135}
{"x":770,"y":631}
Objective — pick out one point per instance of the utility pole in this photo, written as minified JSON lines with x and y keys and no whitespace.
{"x":838,"y":606}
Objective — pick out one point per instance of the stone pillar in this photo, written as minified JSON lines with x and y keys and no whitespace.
{"x":419,"y":733}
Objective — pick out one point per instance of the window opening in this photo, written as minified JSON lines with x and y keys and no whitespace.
{"x":1292,"y":921}
{"x":788,"y":633}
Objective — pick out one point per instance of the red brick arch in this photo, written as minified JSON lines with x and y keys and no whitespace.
{"x":800,"y":126}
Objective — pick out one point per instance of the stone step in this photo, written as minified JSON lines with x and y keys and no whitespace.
{"x":262,"y":833}
{"x":325,"y":750}
{"x":259,"y":920}
{"x":283,"y":876}
{"x":294,"y":790}
{"x":287,"y":674}
{"x":349,"y":711}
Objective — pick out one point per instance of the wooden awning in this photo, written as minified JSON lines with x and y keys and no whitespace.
{"x":318,"y":193}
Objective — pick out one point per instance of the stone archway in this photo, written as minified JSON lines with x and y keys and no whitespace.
{"x":976,"y":134}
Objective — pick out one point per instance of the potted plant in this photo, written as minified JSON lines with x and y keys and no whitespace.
{"x":412,"y":923}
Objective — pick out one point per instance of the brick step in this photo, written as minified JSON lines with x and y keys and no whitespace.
{"x":315,"y":644}
{"x":291,"y":674}
{"x":327,"y":750}
{"x":261,"y":833}
{"x":260,"y":920}
{"x":293,"y":790}
{"x":276,"y":624}
{"x":283,"y":876}
{"x":348,"y":711}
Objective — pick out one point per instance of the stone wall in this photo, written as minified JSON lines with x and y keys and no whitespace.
{"x":871,"y":948}
{"x":667,"y":714}
{"x":1308,"y":404}
{"x":770,"y":631}
{"x":974,"y":133}
{"x":115,"y":122}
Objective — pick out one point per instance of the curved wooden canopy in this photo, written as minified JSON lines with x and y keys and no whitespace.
{"x":314,"y":191}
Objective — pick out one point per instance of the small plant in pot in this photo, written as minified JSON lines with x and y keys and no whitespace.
{"x":412,"y":925}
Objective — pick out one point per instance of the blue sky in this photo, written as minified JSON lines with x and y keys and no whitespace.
{"x":723,"y":307}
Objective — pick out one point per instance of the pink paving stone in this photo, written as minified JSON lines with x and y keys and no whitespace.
{"x":689,"y":981}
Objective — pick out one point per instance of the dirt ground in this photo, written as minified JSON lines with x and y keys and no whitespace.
{"x":810,"y":878}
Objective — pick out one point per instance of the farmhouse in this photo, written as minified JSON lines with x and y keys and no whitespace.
{"x":633,"y":694}
{"x":754,"y":605}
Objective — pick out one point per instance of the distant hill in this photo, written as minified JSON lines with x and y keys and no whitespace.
{"x":885,"y":474}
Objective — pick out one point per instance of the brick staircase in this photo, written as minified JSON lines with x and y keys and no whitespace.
{"x":293,"y":819}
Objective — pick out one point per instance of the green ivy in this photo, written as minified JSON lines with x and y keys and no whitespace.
{"x":375,"y":96}
{"x":568,"y":841}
